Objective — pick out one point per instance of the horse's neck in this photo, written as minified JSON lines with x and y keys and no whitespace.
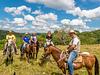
{"x":56,"y":53}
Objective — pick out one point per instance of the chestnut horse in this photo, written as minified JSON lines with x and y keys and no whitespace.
{"x":88,"y":61}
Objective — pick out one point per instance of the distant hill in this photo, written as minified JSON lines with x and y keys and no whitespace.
{"x":92,"y":37}
{"x":3,"y":34}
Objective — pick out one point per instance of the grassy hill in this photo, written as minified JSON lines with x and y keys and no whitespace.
{"x":50,"y":68}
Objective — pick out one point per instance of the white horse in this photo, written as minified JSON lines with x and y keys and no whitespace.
{"x":9,"y":51}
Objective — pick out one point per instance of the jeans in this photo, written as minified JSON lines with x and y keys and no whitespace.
{"x":71,"y":58}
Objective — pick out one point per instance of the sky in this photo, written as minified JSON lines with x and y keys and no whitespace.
{"x":49,"y":15}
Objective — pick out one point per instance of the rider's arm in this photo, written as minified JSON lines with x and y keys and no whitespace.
{"x":31,"y":38}
{"x":73,"y":45}
{"x":14,"y":38}
{"x":7,"y":37}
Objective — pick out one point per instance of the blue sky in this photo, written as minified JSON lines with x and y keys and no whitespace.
{"x":44,"y":15}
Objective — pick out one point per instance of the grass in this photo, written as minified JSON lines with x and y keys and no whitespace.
{"x":50,"y":68}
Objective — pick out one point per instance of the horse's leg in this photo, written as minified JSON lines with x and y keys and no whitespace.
{"x":89,"y":71}
{"x":21,"y":53}
{"x":7,"y":61}
{"x":27,"y":57}
{"x":63,"y":70}
{"x":33,"y":53}
{"x":12,"y":59}
{"x":37,"y":50}
{"x":89,"y":61}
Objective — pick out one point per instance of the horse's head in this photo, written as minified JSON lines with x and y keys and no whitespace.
{"x":47,"y":49}
{"x":10,"y":42}
{"x":47,"y":52}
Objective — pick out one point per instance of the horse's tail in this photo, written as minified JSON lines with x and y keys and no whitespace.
{"x":96,"y":66}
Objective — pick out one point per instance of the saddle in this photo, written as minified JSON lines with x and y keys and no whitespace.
{"x":78,"y":59}
{"x":65,"y":56}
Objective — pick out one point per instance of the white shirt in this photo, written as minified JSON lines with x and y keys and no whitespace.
{"x":75,"y":41}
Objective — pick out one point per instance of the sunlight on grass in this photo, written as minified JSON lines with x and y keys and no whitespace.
{"x":50,"y":68}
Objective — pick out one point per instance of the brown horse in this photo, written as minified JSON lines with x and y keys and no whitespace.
{"x":27,"y":51}
{"x":35,"y":49}
{"x":88,"y":61}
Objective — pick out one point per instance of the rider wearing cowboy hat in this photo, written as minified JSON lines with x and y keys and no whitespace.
{"x":73,"y":49}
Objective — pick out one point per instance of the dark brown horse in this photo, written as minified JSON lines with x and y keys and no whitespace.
{"x":35,"y":49}
{"x":88,"y":61}
{"x":31,"y":50}
{"x":26,"y":51}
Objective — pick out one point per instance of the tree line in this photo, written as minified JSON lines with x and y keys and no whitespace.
{"x":59,"y":37}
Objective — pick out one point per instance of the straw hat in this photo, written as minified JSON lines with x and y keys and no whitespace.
{"x":72,"y":31}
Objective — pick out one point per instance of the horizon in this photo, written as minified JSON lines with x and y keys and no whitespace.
{"x":44,"y":32}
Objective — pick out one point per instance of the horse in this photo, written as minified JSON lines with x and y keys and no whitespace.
{"x":27,"y":51}
{"x":9,"y":52}
{"x":88,"y":60}
{"x":30,"y":50}
{"x":35,"y":49}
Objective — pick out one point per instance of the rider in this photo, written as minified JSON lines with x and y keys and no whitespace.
{"x":11,"y":36}
{"x":33,"y":39}
{"x":49,"y":39}
{"x":26,"y":39}
{"x":73,"y":49}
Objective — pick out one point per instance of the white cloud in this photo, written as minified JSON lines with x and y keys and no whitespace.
{"x":54,"y":27}
{"x":23,"y":7}
{"x":92,"y":13}
{"x":58,"y":4}
{"x":17,"y":10}
{"x":19,"y":21}
{"x":49,"y":16}
{"x":29,"y":17}
{"x":73,"y":22}
{"x":37,"y":12}
{"x":45,"y":22}
{"x":65,"y":21}
{"x":10,"y":9}
{"x":77,"y":22}
{"x":38,"y":23}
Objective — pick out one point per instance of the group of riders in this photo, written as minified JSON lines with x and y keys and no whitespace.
{"x":27,"y":39}
{"x":72,"y":49}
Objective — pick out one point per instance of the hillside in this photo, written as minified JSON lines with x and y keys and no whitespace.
{"x":50,"y":68}
{"x":59,"y":38}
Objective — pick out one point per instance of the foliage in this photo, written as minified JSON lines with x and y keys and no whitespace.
{"x":59,"y":37}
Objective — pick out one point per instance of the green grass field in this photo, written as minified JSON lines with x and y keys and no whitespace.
{"x":50,"y":68}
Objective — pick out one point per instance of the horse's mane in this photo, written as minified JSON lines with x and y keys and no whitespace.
{"x":57,"y":49}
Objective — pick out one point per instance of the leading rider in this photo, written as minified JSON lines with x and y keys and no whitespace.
{"x":72,"y":49}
